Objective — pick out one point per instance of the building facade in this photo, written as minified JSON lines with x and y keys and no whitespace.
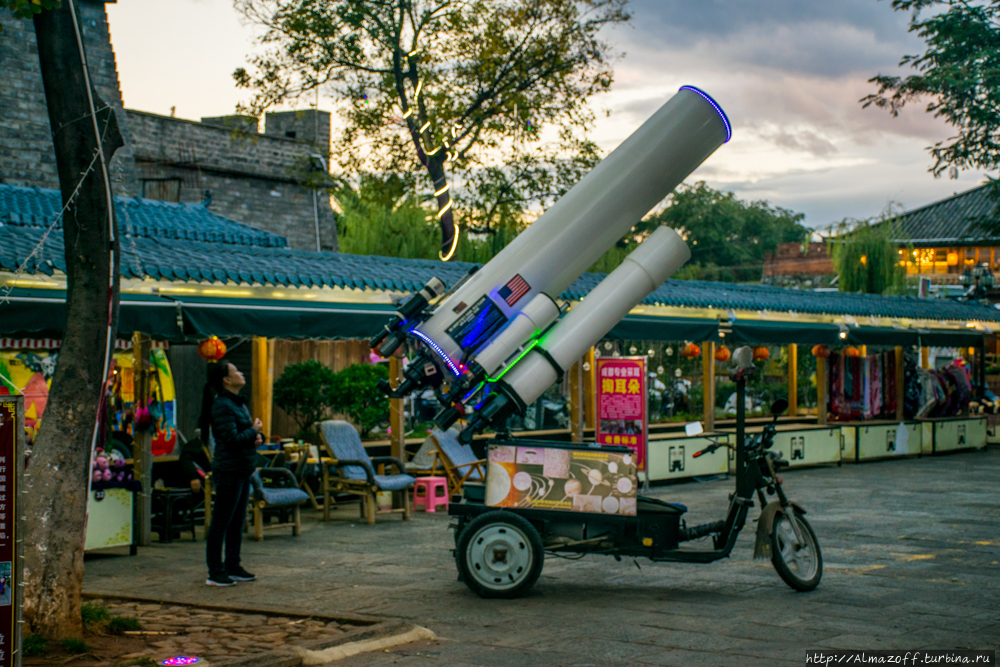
{"x":259,"y":179}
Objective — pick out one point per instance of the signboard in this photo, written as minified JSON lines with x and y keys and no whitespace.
{"x":622,"y":404}
{"x":11,"y":444}
{"x":550,"y":478}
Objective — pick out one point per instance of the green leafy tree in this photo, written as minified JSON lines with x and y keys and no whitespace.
{"x":866,"y":256}
{"x":729,"y":238}
{"x":959,"y":72}
{"x":303,"y":391}
{"x":355,"y":393}
{"x":457,"y":92}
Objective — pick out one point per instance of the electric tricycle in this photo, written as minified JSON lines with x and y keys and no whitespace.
{"x":556,"y":498}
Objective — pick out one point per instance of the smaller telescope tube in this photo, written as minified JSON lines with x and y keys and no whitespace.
{"x":640,"y":273}
{"x":540,"y":312}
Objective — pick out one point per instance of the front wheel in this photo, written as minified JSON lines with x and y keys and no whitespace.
{"x":799,"y":565}
{"x":499,"y":555}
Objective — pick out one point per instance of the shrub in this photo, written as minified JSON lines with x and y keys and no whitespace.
{"x":121,"y":624}
{"x":34,"y":645}
{"x":303,"y":392}
{"x":75,"y":646}
{"x":94,"y":616}
{"x":355,"y":393}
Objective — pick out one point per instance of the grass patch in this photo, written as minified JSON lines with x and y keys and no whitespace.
{"x":75,"y":646}
{"x":95,"y":617}
{"x":120,"y":624}
{"x":35,"y":645}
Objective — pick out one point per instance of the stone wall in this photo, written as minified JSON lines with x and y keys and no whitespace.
{"x":252,"y":178}
{"x":26,"y":154}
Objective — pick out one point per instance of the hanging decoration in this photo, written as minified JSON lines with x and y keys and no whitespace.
{"x":690,"y":351}
{"x":212,"y":349}
{"x":722,"y":354}
{"x":851,"y":351}
{"x":821,"y":351}
{"x":761,"y":353}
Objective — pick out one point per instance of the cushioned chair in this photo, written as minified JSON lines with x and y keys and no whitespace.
{"x":276,"y":490}
{"x":351,"y":470}
{"x":458,"y":461}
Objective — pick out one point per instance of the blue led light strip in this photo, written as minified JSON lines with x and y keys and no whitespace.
{"x":715,"y":105}
{"x":434,"y":346}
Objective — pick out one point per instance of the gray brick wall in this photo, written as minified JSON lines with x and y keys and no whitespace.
{"x":253,"y":178}
{"x":26,"y":154}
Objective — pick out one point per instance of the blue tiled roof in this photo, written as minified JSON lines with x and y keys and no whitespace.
{"x":953,"y":221}
{"x":37,"y":208}
{"x":185,"y":246}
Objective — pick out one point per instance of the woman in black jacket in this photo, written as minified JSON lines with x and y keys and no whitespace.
{"x":236,"y":438}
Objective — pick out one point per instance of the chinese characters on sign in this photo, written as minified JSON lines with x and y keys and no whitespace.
{"x":8,"y":524}
{"x":621,"y":404}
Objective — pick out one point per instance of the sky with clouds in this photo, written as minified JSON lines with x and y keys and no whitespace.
{"x":789,"y":74}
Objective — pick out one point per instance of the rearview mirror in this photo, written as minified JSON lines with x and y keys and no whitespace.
{"x":779,"y":406}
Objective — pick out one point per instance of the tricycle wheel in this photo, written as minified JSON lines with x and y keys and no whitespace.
{"x":499,"y":555}
{"x":799,"y":565}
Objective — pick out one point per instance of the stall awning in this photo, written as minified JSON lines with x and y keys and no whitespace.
{"x":758,"y":332}
{"x":646,"y":327}
{"x":42,"y":313}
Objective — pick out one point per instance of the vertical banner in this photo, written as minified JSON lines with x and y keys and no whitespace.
{"x":622,"y":404}
{"x":11,"y":446}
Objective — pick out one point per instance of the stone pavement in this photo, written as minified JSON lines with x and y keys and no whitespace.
{"x":911,"y":550}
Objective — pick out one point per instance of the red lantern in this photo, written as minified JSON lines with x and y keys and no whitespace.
{"x":851,"y":351}
{"x":760,"y":353}
{"x":821,"y":351}
{"x":690,"y":351}
{"x":722,"y":354}
{"x":212,"y":349}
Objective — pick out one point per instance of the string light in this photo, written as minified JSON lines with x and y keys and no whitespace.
{"x":425,"y":126}
{"x":433,"y":152}
{"x":416,"y":93}
{"x":454,"y":246}
{"x":442,"y":190}
{"x":444,"y":210}
{"x":409,"y":112}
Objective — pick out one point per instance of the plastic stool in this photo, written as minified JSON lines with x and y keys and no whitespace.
{"x":430,"y":492}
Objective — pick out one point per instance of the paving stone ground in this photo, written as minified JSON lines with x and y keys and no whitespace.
{"x":911,"y":550}
{"x":217,"y":635}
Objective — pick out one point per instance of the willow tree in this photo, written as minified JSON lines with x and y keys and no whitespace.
{"x":487,"y":101}
{"x":866,"y":255}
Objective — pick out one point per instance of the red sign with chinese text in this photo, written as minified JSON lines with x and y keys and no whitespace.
{"x":621,"y":404}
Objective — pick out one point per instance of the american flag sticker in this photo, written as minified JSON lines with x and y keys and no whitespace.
{"x":512,"y":292}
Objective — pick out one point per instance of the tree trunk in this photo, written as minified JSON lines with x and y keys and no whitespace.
{"x":446,"y":219}
{"x":57,"y":481}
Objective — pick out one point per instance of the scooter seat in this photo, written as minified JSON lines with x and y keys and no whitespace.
{"x":646,"y":505}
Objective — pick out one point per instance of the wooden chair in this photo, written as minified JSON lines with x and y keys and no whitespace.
{"x":276,"y":490}
{"x":458,"y":462}
{"x":351,"y":470}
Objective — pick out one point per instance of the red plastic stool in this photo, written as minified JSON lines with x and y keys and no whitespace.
{"x":430,"y":492}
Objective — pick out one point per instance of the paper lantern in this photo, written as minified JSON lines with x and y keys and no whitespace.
{"x":722,"y":354}
{"x":212,"y":349}
{"x":821,"y":351}
{"x":760,"y":353}
{"x":851,"y":351}
{"x":690,"y":351}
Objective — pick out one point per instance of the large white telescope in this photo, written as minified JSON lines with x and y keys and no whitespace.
{"x":468,"y":334}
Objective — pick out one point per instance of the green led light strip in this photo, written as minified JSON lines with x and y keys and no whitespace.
{"x":528,"y":349}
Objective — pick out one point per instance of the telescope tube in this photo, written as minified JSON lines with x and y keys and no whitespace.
{"x":572,"y":234}
{"x":656,"y":258}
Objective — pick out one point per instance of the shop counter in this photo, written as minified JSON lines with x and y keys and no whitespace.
{"x":110,"y":520}
{"x":802,"y":445}
{"x":671,"y":456}
{"x":950,"y":434}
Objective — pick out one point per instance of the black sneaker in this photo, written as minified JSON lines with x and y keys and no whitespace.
{"x":219,"y":580}
{"x":239,"y":574}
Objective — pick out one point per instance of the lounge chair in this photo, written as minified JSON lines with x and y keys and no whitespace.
{"x":275,"y":489}
{"x":351,"y":470}
{"x":458,"y":461}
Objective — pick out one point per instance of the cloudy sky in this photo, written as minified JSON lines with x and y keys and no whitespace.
{"x":789,"y":74}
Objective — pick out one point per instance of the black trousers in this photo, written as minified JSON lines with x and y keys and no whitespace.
{"x":229,"y":511}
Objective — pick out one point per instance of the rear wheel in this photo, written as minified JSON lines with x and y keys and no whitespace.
{"x":800,"y":565}
{"x":499,"y":555}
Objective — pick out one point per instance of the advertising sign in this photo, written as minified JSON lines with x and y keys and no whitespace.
{"x":551,"y":478}
{"x":622,"y":404}
{"x":11,"y":434}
